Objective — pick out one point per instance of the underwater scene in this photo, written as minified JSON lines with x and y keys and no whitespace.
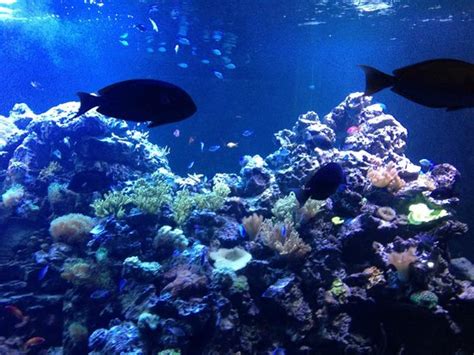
{"x":236,"y":177}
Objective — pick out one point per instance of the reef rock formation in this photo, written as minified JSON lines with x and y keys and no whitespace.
{"x":232,"y":264}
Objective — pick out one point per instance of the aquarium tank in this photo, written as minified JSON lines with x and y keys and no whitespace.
{"x":232,"y":177}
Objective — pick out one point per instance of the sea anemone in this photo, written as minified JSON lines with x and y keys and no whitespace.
{"x":386,"y":213}
{"x":235,"y":258}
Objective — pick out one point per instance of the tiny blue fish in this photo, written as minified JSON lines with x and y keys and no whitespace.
{"x":184,"y":41}
{"x":98,"y":229}
{"x":219,"y":75}
{"x":283,"y":231}
{"x":183,"y":65}
{"x":247,"y":133}
{"x":216,"y":52}
{"x":202,"y":146}
{"x":176,"y":253}
{"x":426,"y":165}
{"x":124,"y":36}
{"x":312,"y":87}
{"x":124,"y":43}
{"x":279,"y":351}
{"x":57,"y":154}
{"x":217,"y":36}
{"x":162,"y":49}
{"x":191,"y":165}
{"x":205,"y":61}
{"x":100,"y":294}
{"x":203,"y":255}
{"x":242,"y":231}
{"x":231,"y":66}
{"x":214,"y":148}
{"x":42,"y":273}
{"x":122,"y":284}
{"x":244,"y":160}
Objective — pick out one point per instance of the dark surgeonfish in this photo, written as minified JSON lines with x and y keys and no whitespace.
{"x":89,"y":181}
{"x":324,"y":183}
{"x":439,"y":83}
{"x":140,"y":100}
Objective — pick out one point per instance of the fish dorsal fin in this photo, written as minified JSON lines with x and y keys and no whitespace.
{"x":427,"y":63}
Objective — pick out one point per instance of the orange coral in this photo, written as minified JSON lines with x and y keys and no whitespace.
{"x":386,"y":176}
{"x":402,"y":262}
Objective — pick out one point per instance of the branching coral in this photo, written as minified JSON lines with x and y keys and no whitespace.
{"x":148,"y":196}
{"x":49,"y":171}
{"x":13,"y":196}
{"x":185,"y":202}
{"x":386,"y":176}
{"x":284,"y":239}
{"x":402,"y":262}
{"x":72,"y":228}
{"x":252,"y":225}
{"x":285,"y":208}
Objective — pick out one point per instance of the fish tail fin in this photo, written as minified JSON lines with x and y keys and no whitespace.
{"x":375,"y":80}
{"x":88,"y":102}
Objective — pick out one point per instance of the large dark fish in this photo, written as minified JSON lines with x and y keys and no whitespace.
{"x":439,"y":83}
{"x":325,"y":182}
{"x":89,"y":181}
{"x":140,"y":100}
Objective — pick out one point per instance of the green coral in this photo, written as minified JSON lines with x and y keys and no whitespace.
{"x":420,"y":213}
{"x":148,"y":196}
{"x":285,"y":208}
{"x":339,"y":289}
{"x":185,"y":202}
{"x":425,"y":298}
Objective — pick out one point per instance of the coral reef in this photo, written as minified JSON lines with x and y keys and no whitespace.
{"x":231,"y":264}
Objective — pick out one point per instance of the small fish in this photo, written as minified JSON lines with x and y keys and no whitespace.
{"x":99,"y":294}
{"x":214,"y":148}
{"x":232,"y":145}
{"x":202,"y":147}
{"x":56,"y":153}
{"x":205,"y":61}
{"x":219,"y":75}
{"x":426,"y":165}
{"x":162,"y":49}
{"x":140,"y":27}
{"x":124,"y":43}
{"x":204,"y":255}
{"x":15,"y":311}
{"x":184,"y":41}
{"x":176,"y":331}
{"x":176,"y":253}
{"x":176,"y":48}
{"x":247,"y":133}
{"x":191,"y":165}
{"x":183,"y":65}
{"x":191,"y":140}
{"x":244,"y":160}
{"x":150,"y":50}
{"x":36,"y":85}
{"x":336,"y":220}
{"x":154,"y":25}
{"x":176,"y":133}
{"x":353,"y":130}
{"x":67,"y":141}
{"x":124,"y":36}
{"x":217,"y":36}
{"x":42,"y":273}
{"x":283,"y":231}
{"x":122,"y":284}
{"x":242,"y":231}
{"x":216,"y":52}
{"x":278,"y":351}
{"x":33,"y":342}
{"x":312,"y":87}
{"x":98,"y":229}
{"x":89,"y":181}
{"x":231,"y":66}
